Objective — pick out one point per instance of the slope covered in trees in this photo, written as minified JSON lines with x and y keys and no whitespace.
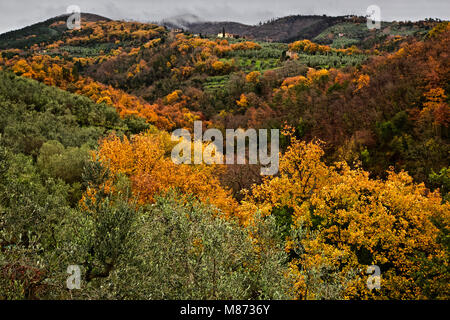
{"x":86,"y":174}
{"x":339,"y":31}
{"x":42,"y":32}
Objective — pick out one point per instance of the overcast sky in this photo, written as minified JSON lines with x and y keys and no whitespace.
{"x":19,"y":13}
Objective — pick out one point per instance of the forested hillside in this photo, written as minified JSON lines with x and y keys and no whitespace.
{"x":340,"y":31}
{"x":86,"y":175}
{"x":46,"y":31}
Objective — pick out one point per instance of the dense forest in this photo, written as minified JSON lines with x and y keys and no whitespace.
{"x":86,"y":175}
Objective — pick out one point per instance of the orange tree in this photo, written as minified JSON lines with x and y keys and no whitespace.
{"x":145,"y":160}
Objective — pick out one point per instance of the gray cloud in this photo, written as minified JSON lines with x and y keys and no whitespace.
{"x":20,"y":13}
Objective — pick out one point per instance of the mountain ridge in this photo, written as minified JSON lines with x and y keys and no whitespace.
{"x":42,"y":31}
{"x":319,"y":28}
{"x":282,"y":29}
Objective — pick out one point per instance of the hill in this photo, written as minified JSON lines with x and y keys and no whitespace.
{"x":45,"y":31}
{"x":279,"y":30}
{"x":87,"y":176}
{"x":340,"y":31}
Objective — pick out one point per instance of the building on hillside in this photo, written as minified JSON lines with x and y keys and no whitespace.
{"x":224,"y":34}
{"x":291,"y":54}
{"x":227,"y":35}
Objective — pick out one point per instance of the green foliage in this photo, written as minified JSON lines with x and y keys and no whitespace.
{"x":32,"y":113}
{"x":216,"y":82}
{"x":322,"y":281}
{"x":332,"y":60}
{"x":31,"y":212}
{"x":283,"y":219}
{"x":170,"y":250}
{"x":42,"y":32}
{"x":346,"y":34}
{"x":30,"y":204}
{"x":59,"y":162}
{"x":371,"y":110}
{"x":184,"y":251}
{"x":90,"y":50}
{"x":441,"y":180}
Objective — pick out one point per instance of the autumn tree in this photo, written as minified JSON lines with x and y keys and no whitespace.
{"x":338,"y":218}
{"x":145,"y":160}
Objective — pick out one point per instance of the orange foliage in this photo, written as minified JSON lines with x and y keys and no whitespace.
{"x":349,"y":216}
{"x":294,"y":81}
{"x":144,"y":160}
{"x":243,"y":101}
{"x":363,"y":81}
{"x":246,"y":45}
{"x":436,"y":107}
{"x":56,"y":72}
{"x":253,"y":77}
{"x":311,"y":47}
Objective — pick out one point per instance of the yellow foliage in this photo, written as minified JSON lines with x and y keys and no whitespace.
{"x":243,"y":101}
{"x":317,"y":75}
{"x":294,"y":81}
{"x":144,"y":159}
{"x":21,"y":67}
{"x":353,"y":221}
{"x":173,"y":97}
{"x":363,"y":81}
{"x":218,"y":65}
{"x":253,"y":77}
{"x":106,"y":100}
{"x":440,"y":28}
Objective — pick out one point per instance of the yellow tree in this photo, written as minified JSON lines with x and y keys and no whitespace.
{"x":349,"y":221}
{"x":145,"y":160}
